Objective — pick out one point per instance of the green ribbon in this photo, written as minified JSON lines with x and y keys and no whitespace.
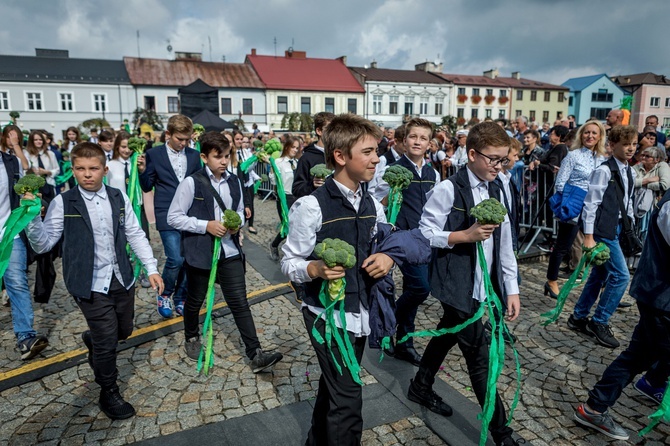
{"x":244,"y":167}
{"x":206,"y":358}
{"x":257,"y":185}
{"x":197,"y":147}
{"x":281,"y":195}
{"x":331,"y":331}
{"x":16,"y":222}
{"x":583,"y":265}
{"x":662,"y":414}
{"x":66,"y":173}
{"x":394,"y":203}
{"x":134,"y":196}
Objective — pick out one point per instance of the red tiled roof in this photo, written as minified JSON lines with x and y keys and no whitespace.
{"x":304,"y":74}
{"x":179,"y":73}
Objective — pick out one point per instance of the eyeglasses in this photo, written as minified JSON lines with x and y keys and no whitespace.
{"x":493,"y":162}
{"x":650,"y":135}
{"x":646,"y":155}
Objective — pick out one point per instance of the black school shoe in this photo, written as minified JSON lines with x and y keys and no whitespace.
{"x":113,"y":405}
{"x":264,"y":360}
{"x":578,"y":324}
{"x":427,"y":397}
{"x":602,"y":333}
{"x":407,"y":353}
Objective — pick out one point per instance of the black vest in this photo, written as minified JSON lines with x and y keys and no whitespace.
{"x":513,"y":205}
{"x":390,"y":159}
{"x":78,"y":242}
{"x":452,"y":271}
{"x":414,"y":197}
{"x":197,"y":249}
{"x":651,"y":282}
{"x":12,"y":167}
{"x":607,"y":215}
{"x":340,"y":220}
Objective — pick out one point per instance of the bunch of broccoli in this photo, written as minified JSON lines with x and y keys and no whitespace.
{"x":320,"y":171}
{"x":198,"y":130}
{"x":601,"y":257}
{"x":273,"y":147}
{"x":29,"y":183}
{"x":489,"y":212}
{"x":231,"y":220}
{"x":398,"y":177}
{"x":137,"y":145}
{"x":334,"y":251}
{"x":258,"y":144}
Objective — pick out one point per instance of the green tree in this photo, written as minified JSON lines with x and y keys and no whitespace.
{"x":95,"y":123}
{"x":14,"y":115}
{"x":241,"y":126}
{"x":450,"y":122}
{"x":144,"y":116}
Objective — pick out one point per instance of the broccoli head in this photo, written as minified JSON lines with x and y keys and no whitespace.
{"x":258,"y":144}
{"x":231,"y":220}
{"x":601,"y":257}
{"x":398,"y":177}
{"x":320,"y":171}
{"x":335,"y":252}
{"x":198,"y":130}
{"x":137,"y":145}
{"x":29,"y":183}
{"x":489,"y":212}
{"x":272,"y":146}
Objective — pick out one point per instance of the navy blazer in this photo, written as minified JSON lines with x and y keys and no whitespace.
{"x":160,"y":176}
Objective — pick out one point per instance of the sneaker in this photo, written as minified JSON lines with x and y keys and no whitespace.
{"x":578,"y":324}
{"x":88,"y":342}
{"x":113,"y":405}
{"x":603,"y":423}
{"x":602,"y":333}
{"x":264,"y":360}
{"x":179,"y":307}
{"x":427,"y":397}
{"x":32,"y":346}
{"x":144,"y":281}
{"x":274,"y":252}
{"x":653,"y":393}
{"x":193,"y":347}
{"x":164,"y":305}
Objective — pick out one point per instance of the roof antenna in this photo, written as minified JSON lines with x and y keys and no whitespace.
{"x":275,"y":42}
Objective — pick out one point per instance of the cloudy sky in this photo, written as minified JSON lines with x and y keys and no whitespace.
{"x":548,"y":40}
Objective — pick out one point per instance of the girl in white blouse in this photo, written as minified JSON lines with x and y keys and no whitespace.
{"x":120,"y":163}
{"x":42,"y":162}
{"x":286,"y":165}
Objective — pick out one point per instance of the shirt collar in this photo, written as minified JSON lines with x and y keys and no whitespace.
{"x":621,"y":165}
{"x":102,"y":193}
{"x":224,"y":176}
{"x":394,"y":153}
{"x":416,"y":166}
{"x":474,"y":180}
{"x":320,"y":148}
{"x":170,"y":149}
{"x":348,"y":192}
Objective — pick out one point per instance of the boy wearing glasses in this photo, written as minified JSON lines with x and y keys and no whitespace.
{"x":456,"y":279}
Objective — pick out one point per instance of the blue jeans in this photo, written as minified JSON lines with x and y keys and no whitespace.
{"x":613,"y":275}
{"x":16,"y":282}
{"x":174,"y":273}
{"x":415,"y":291}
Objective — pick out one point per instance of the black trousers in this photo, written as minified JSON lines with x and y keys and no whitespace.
{"x":230,"y":277}
{"x":566,"y":235}
{"x":290,"y":199}
{"x":474,"y":346}
{"x":249,"y":202}
{"x":337,"y":417}
{"x":650,"y":343}
{"x":110,"y":319}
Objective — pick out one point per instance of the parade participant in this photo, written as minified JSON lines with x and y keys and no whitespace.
{"x":607,"y":282}
{"x":11,"y":143}
{"x":197,"y":211}
{"x":445,"y":222}
{"x":106,"y":141}
{"x":248,"y":178}
{"x":303,"y":183}
{"x":389,"y":157}
{"x":164,"y":168}
{"x":340,"y":209}
{"x":286,"y":164}
{"x":96,"y":268}
{"x":43,"y":163}
{"x":73,"y":138}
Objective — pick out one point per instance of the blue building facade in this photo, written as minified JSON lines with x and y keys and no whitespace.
{"x":592,"y":96}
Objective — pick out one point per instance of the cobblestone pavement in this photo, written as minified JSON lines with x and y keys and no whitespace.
{"x":558,"y":368}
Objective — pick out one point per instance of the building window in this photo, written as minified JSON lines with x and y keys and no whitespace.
{"x":533,"y":95}
{"x":100,"y":102}
{"x":377,"y":104}
{"x":438,"y":109}
{"x":667,"y":102}
{"x":654,"y":101}
{"x":4,"y":100}
{"x":34,"y":101}
{"x":393,"y":105}
{"x":547,"y":96}
{"x":460,"y":112}
{"x":666,"y":123}
{"x":570,"y":100}
{"x":173,"y":104}
{"x":501,"y":113}
{"x":545,"y":116}
{"x":517,"y":113}
{"x":503,"y":93}
{"x":461,"y":90}
{"x":282,"y":104}
{"x":601,"y":96}
{"x":519,"y":95}
{"x":475,"y":92}
{"x":561,"y":96}
{"x":488,"y":112}
{"x":409,"y":105}
{"x":352,"y":105}
{"x":226,"y":106}
{"x":531,"y":116}
{"x":65,"y":102}
{"x":423,"y":106}
{"x":600,"y":113}
{"x":474,"y":113}
{"x":489,"y":92}
{"x":247,"y":106}
{"x":149,"y":103}
{"x":306,"y":105}
{"x":330,"y":105}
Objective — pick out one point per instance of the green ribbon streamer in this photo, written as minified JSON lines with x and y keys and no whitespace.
{"x":394,"y":203}
{"x":66,"y":173}
{"x":206,"y":358}
{"x":662,"y":414}
{"x":244,"y":167}
{"x":197,"y":147}
{"x":583,"y":265}
{"x":347,"y":352}
{"x":16,"y":222}
{"x":281,"y":194}
{"x":134,"y":196}
{"x":257,"y":185}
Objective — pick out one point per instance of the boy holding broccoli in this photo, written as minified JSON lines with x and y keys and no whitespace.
{"x":202,"y":202}
{"x":418,"y":133}
{"x":304,"y":183}
{"x":456,"y":278}
{"x":340,"y":209}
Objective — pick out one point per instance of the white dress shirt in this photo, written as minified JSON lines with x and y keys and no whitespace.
{"x":382,"y":188}
{"x":306,"y":218}
{"x":44,"y":235}
{"x":243,"y":155}
{"x":434,"y":217}
{"x":5,"y":205}
{"x":177,"y":161}
{"x":48,"y":160}
{"x":286,"y":167}
{"x":460,"y":157}
{"x":116,"y":175}
{"x":183,"y":200}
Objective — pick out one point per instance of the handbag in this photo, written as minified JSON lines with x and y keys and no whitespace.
{"x":643,"y":200}
{"x":567,"y":205}
{"x":629,"y":241}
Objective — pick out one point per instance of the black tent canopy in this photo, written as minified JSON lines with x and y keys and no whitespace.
{"x":212,"y":122}
{"x":198,"y":96}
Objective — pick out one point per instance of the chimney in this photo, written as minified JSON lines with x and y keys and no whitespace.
{"x":516,"y":75}
{"x":492,"y":73}
{"x":373,"y":64}
{"x":343,"y":59}
{"x":253,"y":51}
{"x":45,"y":52}
{"x":192,"y":57}
{"x":291,"y":54}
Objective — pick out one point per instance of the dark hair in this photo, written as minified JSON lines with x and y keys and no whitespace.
{"x":117,"y":142}
{"x":561,"y":131}
{"x":76,"y":131}
{"x":30,"y":147}
{"x":288,"y":144}
{"x":5,"y":136}
{"x":399,"y":134}
{"x":532,"y":132}
{"x":105,"y":136}
{"x":343,"y":132}
{"x":88,"y":150}
{"x":322,"y":119}
{"x":486,"y":134}
{"x":214,"y":141}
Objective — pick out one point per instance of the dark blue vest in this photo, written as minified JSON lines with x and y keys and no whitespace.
{"x":651,"y":282}
{"x":197,"y":249}
{"x":452,"y":271}
{"x":414,"y":197}
{"x":78,"y":242}
{"x":12,"y":167}
{"x":340,"y":220}
{"x":607,"y":215}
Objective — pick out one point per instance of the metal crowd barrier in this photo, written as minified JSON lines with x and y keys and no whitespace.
{"x":266,"y":188}
{"x":535,"y":188}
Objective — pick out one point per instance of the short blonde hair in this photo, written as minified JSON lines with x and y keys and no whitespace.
{"x":180,"y":124}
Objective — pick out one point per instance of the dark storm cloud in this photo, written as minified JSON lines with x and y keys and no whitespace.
{"x":545,"y":40}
